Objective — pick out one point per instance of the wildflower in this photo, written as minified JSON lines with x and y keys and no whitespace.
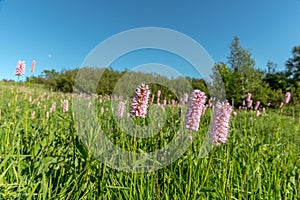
{"x":287,"y":97}
{"x":173,"y":102}
{"x":152,"y":99}
{"x":257,"y":113}
{"x":281,"y":105}
{"x":210,"y":102}
{"x":194,"y":111}
{"x":20,"y":69}
{"x":257,"y":105}
{"x":264,"y":110}
{"x":220,"y":124}
{"x":249,"y":96}
{"x":186,"y":97}
{"x":121,"y":108}
{"x":32,"y":66}
{"x":102,"y":110}
{"x":33,"y":114}
{"x":249,"y":103}
{"x":47,"y":114}
{"x":158,"y":93}
{"x":158,"y":97}
{"x":54,"y":105}
{"x":65,"y":106}
{"x":204,"y":110}
{"x":182,"y":101}
{"x":165,"y":102}
{"x":140,"y":101}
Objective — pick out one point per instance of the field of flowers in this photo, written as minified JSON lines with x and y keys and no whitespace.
{"x":43,"y":157}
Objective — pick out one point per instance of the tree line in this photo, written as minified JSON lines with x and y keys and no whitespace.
{"x":239,"y":77}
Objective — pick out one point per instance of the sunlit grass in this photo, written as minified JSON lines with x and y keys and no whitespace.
{"x":261,"y":159}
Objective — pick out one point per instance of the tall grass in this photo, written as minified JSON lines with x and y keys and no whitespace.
{"x":261,"y":159}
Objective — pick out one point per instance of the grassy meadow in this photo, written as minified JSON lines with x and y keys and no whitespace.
{"x":42,"y":156}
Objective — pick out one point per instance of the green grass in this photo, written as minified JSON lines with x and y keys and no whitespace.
{"x":44,"y":158}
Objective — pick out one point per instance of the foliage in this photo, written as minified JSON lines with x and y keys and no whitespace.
{"x":244,"y":78}
{"x":293,"y":64}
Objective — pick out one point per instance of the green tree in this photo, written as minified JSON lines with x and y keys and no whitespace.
{"x":239,"y":58}
{"x":293,"y":64}
{"x":245,"y":78}
{"x":271,"y":67}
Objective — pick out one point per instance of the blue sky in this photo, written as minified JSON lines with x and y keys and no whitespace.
{"x":61,"y":33}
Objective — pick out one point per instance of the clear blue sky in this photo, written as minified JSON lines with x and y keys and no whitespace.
{"x":61,"y":33}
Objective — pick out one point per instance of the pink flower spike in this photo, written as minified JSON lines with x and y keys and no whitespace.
{"x":152,"y":99}
{"x":281,"y":105}
{"x":121,"y":109}
{"x":287,"y":97}
{"x":249,"y":103}
{"x":32,"y":66}
{"x":248,"y":97}
{"x":140,"y":101}
{"x":194,"y":111}
{"x":158,"y":99}
{"x":186,"y":97}
{"x":165,"y":102}
{"x":220,"y":124}
{"x":173,"y":102}
{"x":257,"y":105}
{"x":65,"y":106}
{"x":257,"y":113}
{"x":33,"y":114}
{"x":20,"y":69}
{"x":158,"y":93}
